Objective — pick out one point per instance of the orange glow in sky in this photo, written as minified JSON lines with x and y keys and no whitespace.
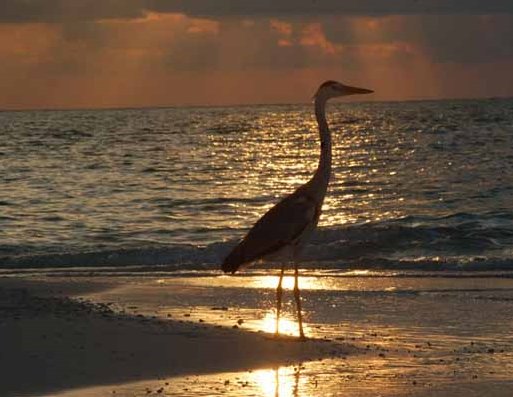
{"x":168,"y":59}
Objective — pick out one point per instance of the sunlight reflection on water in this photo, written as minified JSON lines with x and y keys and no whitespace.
{"x":287,"y":326}
{"x":194,"y":180}
{"x":278,"y":382}
{"x":409,"y":336}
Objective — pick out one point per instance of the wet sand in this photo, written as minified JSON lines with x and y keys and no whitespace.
{"x":52,"y":340}
{"x":202,"y":335}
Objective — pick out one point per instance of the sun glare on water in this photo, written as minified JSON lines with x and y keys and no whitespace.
{"x":271,"y":282}
{"x":281,"y":382}
{"x":288,"y":326}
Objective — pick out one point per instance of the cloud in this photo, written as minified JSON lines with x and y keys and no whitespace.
{"x":462,"y":38}
{"x":52,"y":11}
{"x":18,"y":11}
{"x":288,"y":8}
{"x":151,"y":52}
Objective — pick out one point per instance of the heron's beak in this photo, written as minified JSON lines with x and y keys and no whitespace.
{"x":348,"y":90}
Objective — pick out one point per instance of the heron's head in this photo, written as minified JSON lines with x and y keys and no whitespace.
{"x":333,"y":89}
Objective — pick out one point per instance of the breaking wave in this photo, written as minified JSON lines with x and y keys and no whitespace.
{"x":457,"y":242}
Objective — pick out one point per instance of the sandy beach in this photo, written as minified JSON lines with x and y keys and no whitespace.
{"x":51,"y":343}
{"x":209,"y":335}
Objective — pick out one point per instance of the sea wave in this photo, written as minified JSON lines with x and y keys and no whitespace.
{"x":422,"y":185}
{"x":459,"y":241}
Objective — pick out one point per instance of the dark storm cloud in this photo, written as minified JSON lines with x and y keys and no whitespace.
{"x":13,"y":11}
{"x":219,"y":8}
{"x":471,"y":40}
{"x":446,"y":38}
{"x":19,"y":11}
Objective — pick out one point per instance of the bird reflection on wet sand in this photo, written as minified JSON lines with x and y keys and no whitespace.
{"x":279,"y":381}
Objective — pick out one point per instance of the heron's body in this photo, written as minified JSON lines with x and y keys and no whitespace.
{"x":284,"y":229}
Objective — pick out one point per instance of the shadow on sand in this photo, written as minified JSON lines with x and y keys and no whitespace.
{"x":53,"y":343}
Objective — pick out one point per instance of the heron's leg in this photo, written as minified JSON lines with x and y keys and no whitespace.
{"x":279,"y":294}
{"x":277,"y":382}
{"x":298,"y":301}
{"x":297,"y":375}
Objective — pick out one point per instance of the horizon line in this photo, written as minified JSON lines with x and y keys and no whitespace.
{"x":183,"y":106}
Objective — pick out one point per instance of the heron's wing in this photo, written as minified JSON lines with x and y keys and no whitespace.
{"x":280,"y":226}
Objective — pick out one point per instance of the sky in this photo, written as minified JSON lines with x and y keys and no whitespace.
{"x":144,"y":53}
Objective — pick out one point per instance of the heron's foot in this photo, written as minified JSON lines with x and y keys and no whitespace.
{"x":302,"y":338}
{"x":279,"y":337}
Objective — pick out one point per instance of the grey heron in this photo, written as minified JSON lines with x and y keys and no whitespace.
{"x":284,"y":229}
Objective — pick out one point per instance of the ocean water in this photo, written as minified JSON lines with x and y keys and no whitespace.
{"x":416,"y":186}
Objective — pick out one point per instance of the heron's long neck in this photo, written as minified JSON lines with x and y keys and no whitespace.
{"x":322,"y":175}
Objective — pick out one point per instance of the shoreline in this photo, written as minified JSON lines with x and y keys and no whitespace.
{"x":203,"y":335}
{"x":53,"y":342}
